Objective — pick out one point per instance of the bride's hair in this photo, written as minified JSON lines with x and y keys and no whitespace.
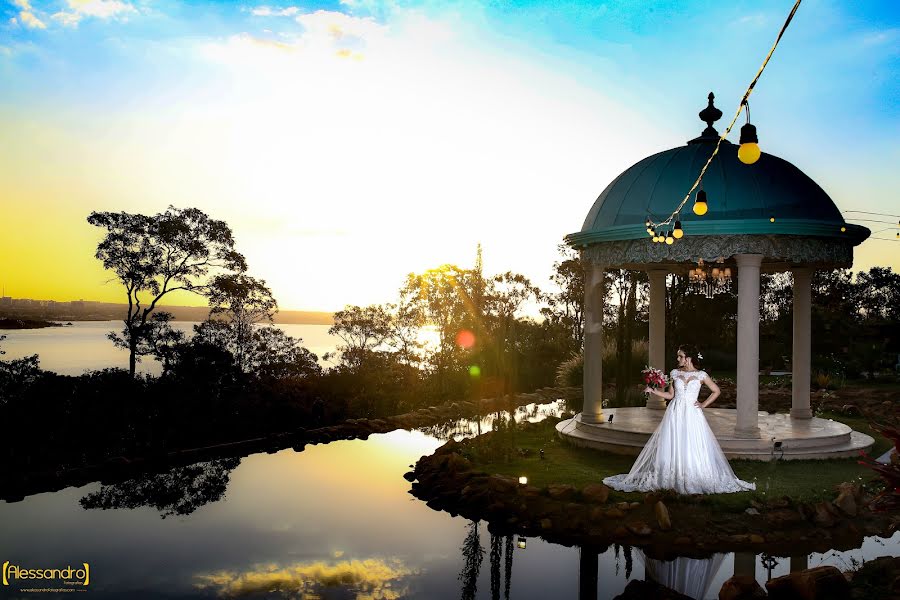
{"x":690,"y":351}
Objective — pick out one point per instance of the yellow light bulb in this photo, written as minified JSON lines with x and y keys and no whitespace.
{"x":679,"y":232}
{"x":700,"y":206}
{"x":670,"y":240}
{"x":749,"y":153}
{"x":771,"y":219}
{"x":843,"y":229}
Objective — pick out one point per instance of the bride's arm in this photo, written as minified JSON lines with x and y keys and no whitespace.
{"x":667,"y":395}
{"x":715,"y":391}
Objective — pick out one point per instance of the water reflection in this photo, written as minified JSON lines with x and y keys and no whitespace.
{"x":460,"y":429}
{"x":369,"y":579}
{"x":335,"y":521}
{"x":689,"y":576}
{"x":179,"y":491}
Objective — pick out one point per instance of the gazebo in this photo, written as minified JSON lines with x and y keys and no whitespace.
{"x":763,"y":218}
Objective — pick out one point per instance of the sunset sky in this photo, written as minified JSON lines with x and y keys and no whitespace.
{"x":349,"y":143}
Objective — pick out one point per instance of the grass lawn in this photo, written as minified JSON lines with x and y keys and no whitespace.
{"x":809,"y":481}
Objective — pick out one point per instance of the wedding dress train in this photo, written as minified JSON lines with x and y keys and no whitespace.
{"x":683,"y":454}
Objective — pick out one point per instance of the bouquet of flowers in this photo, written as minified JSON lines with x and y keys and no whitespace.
{"x":655,"y":378}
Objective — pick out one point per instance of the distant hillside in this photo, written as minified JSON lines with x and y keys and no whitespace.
{"x":86,"y":310}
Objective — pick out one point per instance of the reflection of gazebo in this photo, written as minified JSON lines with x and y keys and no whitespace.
{"x":765,"y":217}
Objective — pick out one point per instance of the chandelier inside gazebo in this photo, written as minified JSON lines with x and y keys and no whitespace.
{"x":710,"y":281}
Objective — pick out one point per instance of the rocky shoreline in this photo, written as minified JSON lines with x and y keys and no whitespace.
{"x":662,"y":524}
{"x":20,"y":483}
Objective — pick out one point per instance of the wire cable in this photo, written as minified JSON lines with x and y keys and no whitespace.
{"x":736,"y":115}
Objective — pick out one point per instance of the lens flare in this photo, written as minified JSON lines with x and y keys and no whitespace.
{"x":475,"y":371}
{"x":465,"y":339}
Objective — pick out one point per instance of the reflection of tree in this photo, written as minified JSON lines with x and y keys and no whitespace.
{"x":180,"y":491}
{"x":626,"y":550}
{"x":496,"y":553}
{"x":473,"y":554}
{"x":508,"y":549}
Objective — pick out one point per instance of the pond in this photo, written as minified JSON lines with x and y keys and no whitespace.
{"x":333,"y":521}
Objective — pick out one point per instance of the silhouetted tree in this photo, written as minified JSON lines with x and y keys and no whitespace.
{"x":155,"y":255}
{"x":243,"y":301}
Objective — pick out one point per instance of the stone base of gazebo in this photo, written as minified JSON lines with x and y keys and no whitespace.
{"x":801,"y":439}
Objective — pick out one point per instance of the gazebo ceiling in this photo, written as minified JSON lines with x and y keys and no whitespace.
{"x":742,"y":198}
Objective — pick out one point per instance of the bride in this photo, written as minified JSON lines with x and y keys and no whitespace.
{"x":683,"y":453}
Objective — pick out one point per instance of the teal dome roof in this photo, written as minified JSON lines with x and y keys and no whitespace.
{"x":742,"y":198}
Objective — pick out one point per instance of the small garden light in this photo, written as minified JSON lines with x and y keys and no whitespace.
{"x":522,"y":542}
{"x":523,"y":480}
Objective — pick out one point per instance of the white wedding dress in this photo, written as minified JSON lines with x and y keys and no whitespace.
{"x":683,"y":453}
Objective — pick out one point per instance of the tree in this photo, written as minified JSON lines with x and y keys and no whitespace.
{"x":155,"y":255}
{"x":244,"y":301}
{"x":567,"y":305}
{"x":267,"y":352}
{"x":444,"y":298}
{"x":363,"y":329}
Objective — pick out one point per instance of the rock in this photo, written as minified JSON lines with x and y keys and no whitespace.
{"x":620,"y":532}
{"x":783,"y":517}
{"x":595,"y":492}
{"x":757,"y":539}
{"x":741,"y":587}
{"x":597,"y":514}
{"x":634,"y":505}
{"x":850,"y":410}
{"x":615,"y":513}
{"x":456,"y":463}
{"x":818,"y":583}
{"x":410,"y":476}
{"x":639,"y":528}
{"x":739,"y":538}
{"x":846,"y":503}
{"x":502,"y":485}
{"x":852,"y":488}
{"x":561,"y":492}
{"x":683,"y":540}
{"x":823,"y":515}
{"x":623,"y":505}
{"x":662,"y":516}
{"x":751,"y":511}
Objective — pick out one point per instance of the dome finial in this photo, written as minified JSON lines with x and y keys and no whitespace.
{"x":710,"y":115}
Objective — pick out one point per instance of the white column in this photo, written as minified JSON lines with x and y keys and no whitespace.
{"x":657,"y":328}
{"x":800,"y":362}
{"x":748,"y":346}
{"x":594,"y":294}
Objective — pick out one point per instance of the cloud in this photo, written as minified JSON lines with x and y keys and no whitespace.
{"x":100,"y":9}
{"x":370,"y":579}
{"x":266,"y":11}
{"x":26,"y":16}
{"x":757,"y":21}
{"x":879,"y":38}
{"x":66,"y":19}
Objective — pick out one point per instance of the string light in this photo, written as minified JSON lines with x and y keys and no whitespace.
{"x":749,"y":152}
{"x":737,"y":114}
{"x":700,"y":205}
{"x":679,"y":232}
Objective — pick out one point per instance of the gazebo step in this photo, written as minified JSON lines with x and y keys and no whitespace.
{"x":800,"y":438}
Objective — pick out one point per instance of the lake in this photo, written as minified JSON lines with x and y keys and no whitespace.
{"x":85,"y":347}
{"x":334,"y":521}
